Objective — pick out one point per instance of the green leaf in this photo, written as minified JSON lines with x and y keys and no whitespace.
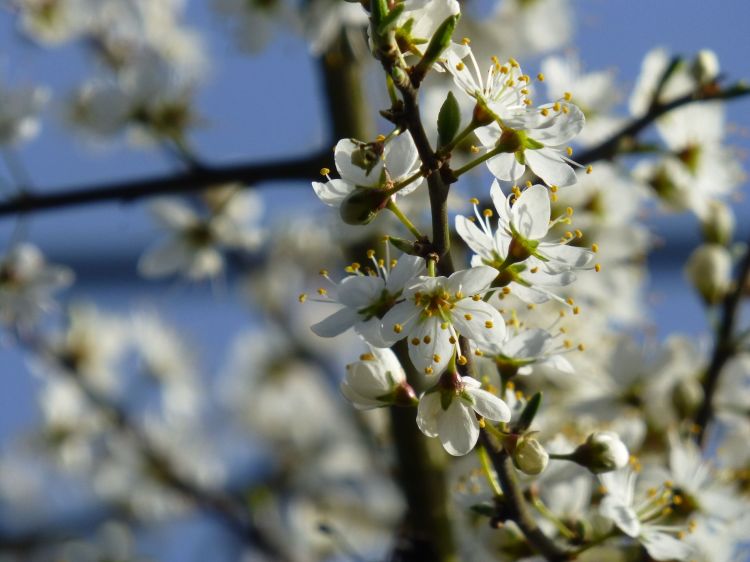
{"x":487,"y":509}
{"x":378,"y":13}
{"x":404,"y":245}
{"x":529,"y":413}
{"x":389,"y":21}
{"x":438,"y":43}
{"x":449,"y":120}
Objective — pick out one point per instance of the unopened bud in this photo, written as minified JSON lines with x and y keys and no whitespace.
{"x":718,"y":223}
{"x":687,"y":397}
{"x":709,"y":269}
{"x":362,"y":205}
{"x":529,"y":456}
{"x":376,"y":380}
{"x":705,"y":67}
{"x":603,"y":451}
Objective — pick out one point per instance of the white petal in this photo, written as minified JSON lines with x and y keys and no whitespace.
{"x":567,"y":256}
{"x":372,"y":332}
{"x":478,"y":241}
{"x":500,"y":200}
{"x":505,"y":167}
{"x":359,"y":291}
{"x":527,"y":344}
{"x":530,"y":214}
{"x":174,"y":214}
{"x":400,"y":156}
{"x":478,"y":321}
{"x":621,"y":514}
{"x":661,"y":546}
{"x":407,"y":270}
{"x":547,"y":163}
{"x":458,"y":428}
{"x":390,"y":363}
{"x":434,"y":349}
{"x":428,"y":413}
{"x":488,"y":405}
{"x":471,"y":281}
{"x":332,"y":192}
{"x":404,"y":314}
{"x":337,"y":323}
{"x":165,"y":258}
{"x":360,"y":402}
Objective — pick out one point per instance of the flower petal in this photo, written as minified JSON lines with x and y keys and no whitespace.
{"x":478,"y":241}
{"x":359,"y":291}
{"x":428,"y":413}
{"x":400,"y":156}
{"x":406,"y":270}
{"x":337,"y":323}
{"x":458,"y":428}
{"x":345,"y":157}
{"x":478,"y":321}
{"x":471,"y":281}
{"x":506,"y":167}
{"x":488,"y":405}
{"x":530,"y":214}
{"x":333,"y":192}
{"x":547,"y":163}
{"x":433,"y":349}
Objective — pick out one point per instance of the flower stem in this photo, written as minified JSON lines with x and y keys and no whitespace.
{"x":489,"y":473}
{"x":545,"y":512}
{"x":392,"y":207}
{"x":474,"y":163}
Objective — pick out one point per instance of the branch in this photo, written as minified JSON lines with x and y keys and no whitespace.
{"x":204,"y":177}
{"x":517,"y":509}
{"x":724,"y":347}
{"x":609,"y":148}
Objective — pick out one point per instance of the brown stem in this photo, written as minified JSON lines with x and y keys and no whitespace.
{"x":517,"y":508}
{"x":724,"y":347}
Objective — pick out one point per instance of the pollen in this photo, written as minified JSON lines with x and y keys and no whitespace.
{"x":370,"y":254}
{"x":525,"y":91}
{"x":556,"y":106}
{"x":597,"y":267}
{"x":460,"y":66}
{"x":478,"y":353}
{"x":302,"y":297}
{"x":569,"y":150}
{"x":513,"y":62}
{"x":465,"y":41}
{"x":476,"y":298}
{"x":544,"y":111}
{"x":579,"y":233}
{"x":394,"y":263}
{"x":459,"y":295}
{"x":468,"y":316}
{"x":367,"y":357}
{"x":540,"y":77}
{"x":415,"y":341}
{"x":452,"y":340}
{"x":481,"y":422}
{"x":534,"y":269}
{"x":595,"y":248}
{"x":568,"y":235}
{"x":528,"y":183}
{"x":397,"y":328}
{"x":488,"y":324}
{"x":581,"y":347}
{"x":322,"y":292}
{"x":589,"y":169}
{"x":528,"y":101}
{"x":565,"y":109}
{"x":553,"y":188}
{"x":487,"y":212}
{"x":428,"y":370}
{"x":474,"y":201}
{"x":462,"y":360}
{"x":355,"y":266}
{"x":526,"y":78}
{"x":506,"y":290}
{"x":436,"y":358}
{"x":568,"y":96}
{"x":444,"y":325}
{"x":324,"y":171}
{"x":427,"y":339}
{"x":576,"y":310}
{"x":570,"y":301}
{"x":567,"y":344}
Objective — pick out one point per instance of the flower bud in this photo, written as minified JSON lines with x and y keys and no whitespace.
{"x":603,"y":451}
{"x":362,"y":205}
{"x":377,"y":379}
{"x":709,"y":269}
{"x":718,"y":223}
{"x":529,"y":456}
{"x":687,"y":397}
{"x":705,"y":67}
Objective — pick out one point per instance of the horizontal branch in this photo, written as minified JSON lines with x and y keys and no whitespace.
{"x":199,"y":178}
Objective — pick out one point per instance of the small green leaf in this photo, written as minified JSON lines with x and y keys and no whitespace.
{"x":449,"y":120}
{"x":529,"y":413}
{"x":487,"y":509}
{"x":404,"y":245}
{"x":438,"y":43}
{"x":389,"y":21}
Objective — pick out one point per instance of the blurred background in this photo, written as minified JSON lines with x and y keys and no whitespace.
{"x":255,"y":106}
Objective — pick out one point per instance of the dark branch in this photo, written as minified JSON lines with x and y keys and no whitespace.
{"x":302,"y":168}
{"x":724,"y":346}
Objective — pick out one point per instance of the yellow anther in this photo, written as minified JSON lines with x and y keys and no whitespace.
{"x":525,"y":91}
{"x":568,"y":96}
{"x":476,"y":298}
{"x":570,"y":301}
{"x":540,"y":77}
{"x":565,"y":109}
{"x":370,"y":254}
{"x":397,"y":328}
{"x":427,"y":339}
{"x":513,"y":62}
{"x":579,"y":233}
{"x":680,"y":535}
{"x":322,"y":291}
{"x":444,"y":325}
{"x":481,"y":423}
{"x":506,"y":290}
{"x":553,"y":188}
{"x":563,"y":330}
{"x":478,"y":353}
{"x":569,"y":150}
{"x":534,"y":269}
{"x":488,"y":324}
{"x":381,"y":262}
{"x":462,"y":360}
{"x":324,"y":171}
{"x":487,"y":213}
{"x":528,"y":101}
{"x":544,"y":111}
{"x":436,"y":358}
{"x":597,"y":267}
{"x":380,"y":138}
{"x":474,"y":201}
{"x":452,"y":340}
{"x":355,"y":266}
{"x":302,"y":297}
{"x":468,"y":316}
{"x":556,"y":106}
{"x":651,"y":492}
{"x":589,"y":169}
{"x":595,"y":247}
{"x":460,"y":66}
{"x":567,"y":344}
{"x":367,"y":357}
{"x":465,"y":41}
{"x":459,"y":295}
{"x":503,"y":69}
{"x":323,"y":272}
{"x":568,"y":235}
{"x":569,"y":211}
{"x":415,"y":341}
{"x":394,"y":262}
{"x":428,"y":370}
{"x":666,"y":511}
{"x":511,"y":385}
{"x":581,"y":347}
{"x":576,"y":310}
{"x":526,"y":78}
{"x":677,"y":499}
{"x":474,"y":149}
{"x":531,"y":306}
{"x":528,"y":183}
